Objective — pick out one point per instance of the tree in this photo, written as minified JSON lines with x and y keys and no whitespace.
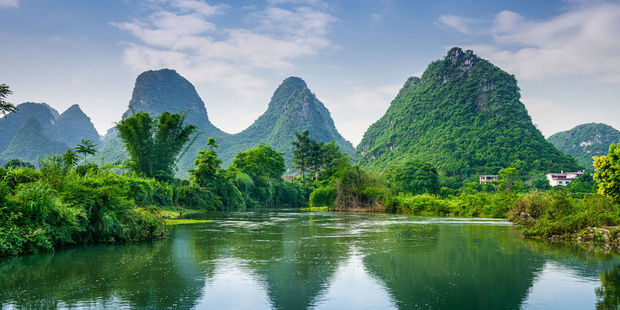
{"x":5,"y":107}
{"x":260,"y":161}
{"x":86,"y":147}
{"x":207,"y":165}
{"x":302,"y":159}
{"x":540,"y":182}
{"x":608,"y":173}
{"x":154,"y":144}
{"x":414,"y":177}
{"x":509,"y":179}
{"x":331,"y":155}
{"x":215,"y":182}
{"x":69,"y":158}
{"x":265,"y":166}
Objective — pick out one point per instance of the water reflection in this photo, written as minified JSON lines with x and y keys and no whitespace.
{"x":278,"y":260}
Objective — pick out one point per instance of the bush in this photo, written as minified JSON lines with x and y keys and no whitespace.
{"x":425,"y":204}
{"x":558,"y":214}
{"x":323,"y":196}
{"x":34,"y":216}
{"x":196,"y":197}
{"x":17,"y":176}
{"x":290,"y":195}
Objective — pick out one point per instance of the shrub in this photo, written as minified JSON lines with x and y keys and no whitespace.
{"x":17,"y":176}
{"x":196,"y":197}
{"x":323,"y":196}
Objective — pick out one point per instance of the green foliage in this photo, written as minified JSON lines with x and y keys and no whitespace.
{"x":356,"y":188}
{"x":323,"y":196}
{"x":558,"y":214}
{"x":414,"y":177}
{"x":154,"y":144}
{"x":586,"y":141}
{"x":608,"y":173}
{"x":509,"y":179}
{"x":540,"y":182}
{"x":69,"y":158}
{"x":463,"y":116}
{"x":261,"y":161}
{"x":289,"y":195}
{"x":54,"y":207}
{"x":265,"y":167}
{"x":196,"y":197}
{"x":16,"y":176}
{"x":86,"y":147}
{"x":5,"y":107}
{"x":16,"y":163}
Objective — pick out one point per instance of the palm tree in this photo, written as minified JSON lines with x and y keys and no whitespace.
{"x":5,"y":107}
{"x":86,"y":147}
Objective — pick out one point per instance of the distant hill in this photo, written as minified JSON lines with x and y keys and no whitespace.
{"x":73,"y":125}
{"x":31,"y":142}
{"x":293,"y":108}
{"x":55,"y":130}
{"x":463,"y":115}
{"x":585,"y":141}
{"x":12,"y":122}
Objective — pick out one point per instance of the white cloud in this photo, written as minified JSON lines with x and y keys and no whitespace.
{"x":9,"y":3}
{"x":180,"y":35}
{"x":458,"y":23}
{"x":582,"y":41}
{"x":358,"y":107}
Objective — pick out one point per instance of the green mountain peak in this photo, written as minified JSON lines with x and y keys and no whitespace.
{"x":463,"y":115}
{"x":292,"y":108}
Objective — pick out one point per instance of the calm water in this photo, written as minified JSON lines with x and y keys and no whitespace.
{"x":290,"y":260}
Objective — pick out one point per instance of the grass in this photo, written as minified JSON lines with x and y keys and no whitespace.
{"x":315,"y":209}
{"x":171,"y":222}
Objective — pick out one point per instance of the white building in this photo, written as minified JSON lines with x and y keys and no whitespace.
{"x":488,"y":179}
{"x":562,"y":179}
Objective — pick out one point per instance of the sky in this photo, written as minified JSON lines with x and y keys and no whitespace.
{"x":354,"y":55}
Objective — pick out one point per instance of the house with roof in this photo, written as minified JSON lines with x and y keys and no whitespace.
{"x":562,"y":179}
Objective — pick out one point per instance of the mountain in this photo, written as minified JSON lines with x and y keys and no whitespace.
{"x":158,"y":91}
{"x":73,"y":125}
{"x":166,"y":90}
{"x":464,"y":115}
{"x":43,"y":113}
{"x":31,"y":142}
{"x":585,"y":141}
{"x":293,"y":108}
{"x":46,"y":130}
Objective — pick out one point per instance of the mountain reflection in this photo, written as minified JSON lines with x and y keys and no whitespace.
{"x":278,"y":260}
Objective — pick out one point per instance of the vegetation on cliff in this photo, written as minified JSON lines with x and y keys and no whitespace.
{"x":464,"y":116}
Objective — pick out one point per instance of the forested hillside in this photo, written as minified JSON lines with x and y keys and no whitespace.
{"x":463,"y":115}
{"x":585,"y":141}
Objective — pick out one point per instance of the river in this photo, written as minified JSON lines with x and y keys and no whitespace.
{"x":293,"y":260}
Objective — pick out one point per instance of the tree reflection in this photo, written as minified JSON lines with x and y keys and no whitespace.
{"x":608,"y":294}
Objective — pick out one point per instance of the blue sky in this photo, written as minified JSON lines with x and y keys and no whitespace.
{"x":354,"y":55}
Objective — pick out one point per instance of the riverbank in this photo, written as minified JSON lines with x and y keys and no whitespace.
{"x":551,"y":215}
